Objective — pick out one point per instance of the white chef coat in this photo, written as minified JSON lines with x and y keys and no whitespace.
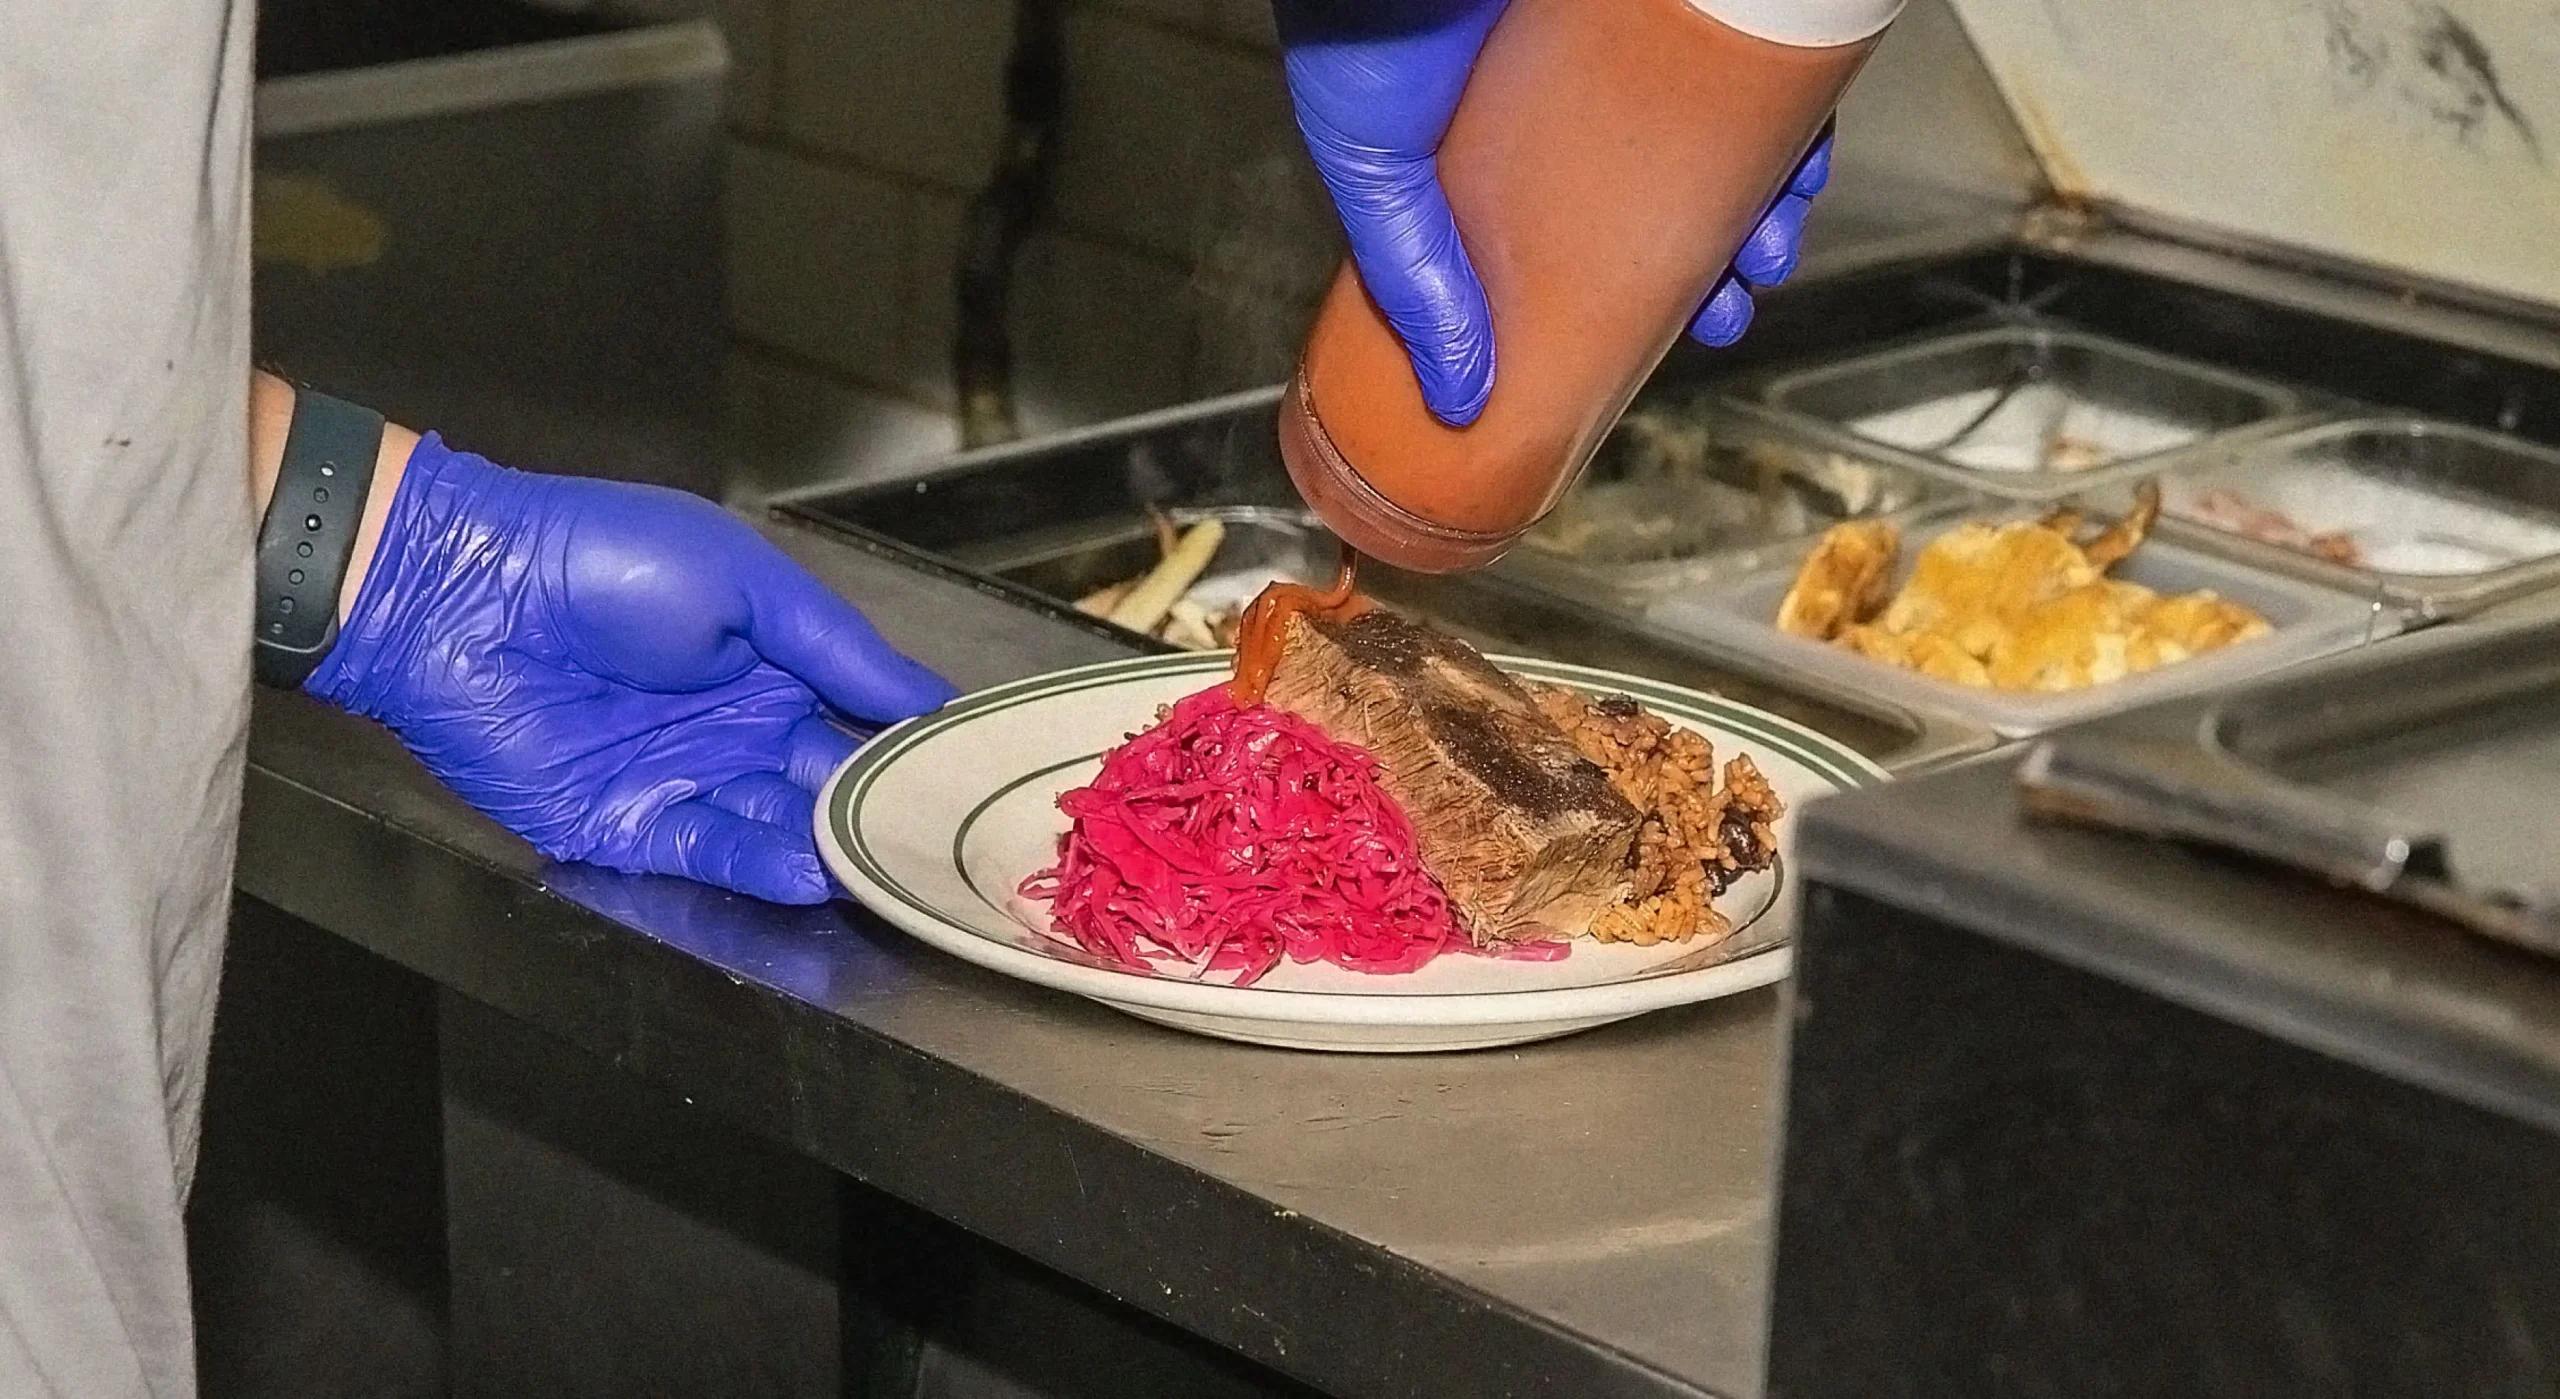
{"x":125,"y":586}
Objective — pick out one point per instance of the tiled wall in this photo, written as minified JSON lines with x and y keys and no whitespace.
{"x":1185,"y":243}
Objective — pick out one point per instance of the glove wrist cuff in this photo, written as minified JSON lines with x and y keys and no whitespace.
{"x":382,"y":630}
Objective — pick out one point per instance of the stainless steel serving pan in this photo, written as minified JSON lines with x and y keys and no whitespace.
{"x":1487,"y":611}
{"x":2443,"y":518}
{"x":2310,"y":620}
{"x":2026,"y":412}
{"x":1691,"y":487}
{"x":2424,"y":773}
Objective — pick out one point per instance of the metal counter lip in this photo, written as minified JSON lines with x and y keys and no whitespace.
{"x":1862,"y":843}
{"x":343,"y":832}
{"x":541,"y":71}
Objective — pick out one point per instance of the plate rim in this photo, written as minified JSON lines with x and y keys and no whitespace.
{"x":881,"y":895}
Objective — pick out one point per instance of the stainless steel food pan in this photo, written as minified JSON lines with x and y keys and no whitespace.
{"x":1690,"y":487}
{"x":2024,"y":412}
{"x":2310,"y":619}
{"x":2436,"y":517}
{"x":1493,"y":614}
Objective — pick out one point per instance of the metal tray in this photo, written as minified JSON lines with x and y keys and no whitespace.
{"x":2025,"y":412}
{"x":1071,"y":490}
{"x":2310,"y":620}
{"x":2447,"y":518}
{"x":1047,"y":522}
{"x":2423,"y":773}
{"x":2481,"y":781}
{"x":1264,"y":544}
{"x":1690,"y":487}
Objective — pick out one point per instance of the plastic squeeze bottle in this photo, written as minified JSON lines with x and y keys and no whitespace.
{"x":1605,"y":163}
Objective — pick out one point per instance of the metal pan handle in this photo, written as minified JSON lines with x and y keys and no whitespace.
{"x":2182,"y":791}
{"x":2190,"y":792}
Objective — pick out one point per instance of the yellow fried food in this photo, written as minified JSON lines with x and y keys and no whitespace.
{"x":2174,"y":628}
{"x":1925,"y":652}
{"x":1842,"y":580}
{"x":2022,"y":605}
{"x":2072,"y":641}
{"x":1973,"y":581}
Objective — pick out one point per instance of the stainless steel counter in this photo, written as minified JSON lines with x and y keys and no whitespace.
{"x":2077,"y":1112}
{"x":1585,"y":1218}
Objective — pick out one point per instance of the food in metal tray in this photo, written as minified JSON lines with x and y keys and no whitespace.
{"x":2021,"y":605}
{"x":2024,"y":425}
{"x":1173,"y":601}
{"x":1395,"y":796}
{"x":1684,"y":484}
{"x":2374,"y":517}
{"x":1843,"y":580}
{"x":2226,"y":509}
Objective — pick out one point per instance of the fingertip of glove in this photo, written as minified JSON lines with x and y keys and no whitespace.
{"x":1811,"y":176}
{"x":933,"y":689}
{"x":916,"y":689}
{"x":1770,"y":254}
{"x":698,"y":840}
{"x":1454,"y":403}
{"x":1725,"y":317}
{"x":803,"y":883}
{"x":1456,"y":375}
{"x":781,"y":876}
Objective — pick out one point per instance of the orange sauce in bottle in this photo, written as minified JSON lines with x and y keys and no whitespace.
{"x":1605,"y":162}
{"x":1265,"y":628}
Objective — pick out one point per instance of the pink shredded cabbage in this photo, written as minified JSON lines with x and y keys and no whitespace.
{"x":1227,"y":838}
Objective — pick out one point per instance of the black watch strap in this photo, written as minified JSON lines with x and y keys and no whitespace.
{"x":310,"y":533}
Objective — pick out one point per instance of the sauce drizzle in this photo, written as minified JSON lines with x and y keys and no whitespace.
{"x":1265,"y":627}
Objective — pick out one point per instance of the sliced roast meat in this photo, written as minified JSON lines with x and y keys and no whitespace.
{"x":1525,"y":833}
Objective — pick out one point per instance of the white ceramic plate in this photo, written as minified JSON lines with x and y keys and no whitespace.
{"x":936,"y":822}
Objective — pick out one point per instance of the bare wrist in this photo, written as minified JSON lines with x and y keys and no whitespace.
{"x":389,"y":466}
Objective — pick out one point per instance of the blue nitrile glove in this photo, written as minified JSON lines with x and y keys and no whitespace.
{"x":1375,"y":83}
{"x":620,"y":674}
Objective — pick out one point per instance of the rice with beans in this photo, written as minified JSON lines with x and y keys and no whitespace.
{"x":1698,"y":835}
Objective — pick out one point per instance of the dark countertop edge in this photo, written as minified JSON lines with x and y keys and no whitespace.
{"x":1141,"y":1227}
{"x":2196,"y":930}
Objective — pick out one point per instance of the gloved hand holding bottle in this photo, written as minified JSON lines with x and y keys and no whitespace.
{"x":621,"y":674}
{"x":1375,"y":83}
{"x":1541,"y":196}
